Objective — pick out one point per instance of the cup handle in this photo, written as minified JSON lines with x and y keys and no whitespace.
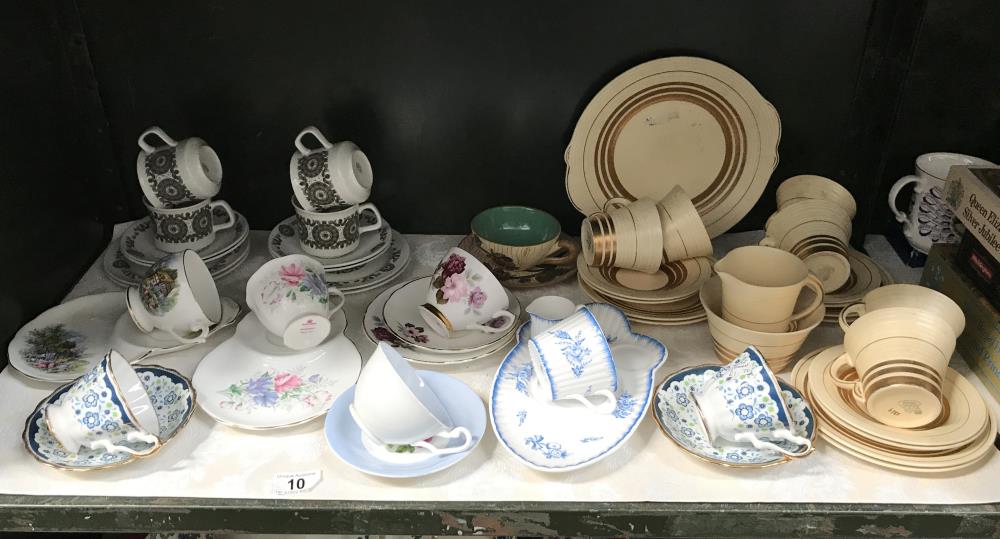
{"x":510,"y":319}
{"x":202,"y":336}
{"x":315,"y":132}
{"x":335,"y":293}
{"x":609,"y":405}
{"x":835,"y":369}
{"x":131,"y":437}
{"x":894,"y":194}
{"x":158,"y":132}
{"x":761,"y":444}
{"x":618,"y":202}
{"x":378,"y":218}
{"x":812,"y":282}
{"x":857,"y":309}
{"x":768,"y":241}
{"x":571,"y":248}
{"x":453,"y":433}
{"x":229,"y":212}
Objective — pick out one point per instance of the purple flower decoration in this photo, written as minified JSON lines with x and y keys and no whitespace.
{"x":315,"y":284}
{"x":452,"y":265}
{"x":314,"y":378}
{"x":477,"y":298}
{"x":265,"y":398}
{"x":497,"y":322}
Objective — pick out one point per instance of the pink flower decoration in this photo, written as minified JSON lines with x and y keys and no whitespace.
{"x":292,"y":274}
{"x":477,"y":298}
{"x":285,"y":381}
{"x":455,"y":288}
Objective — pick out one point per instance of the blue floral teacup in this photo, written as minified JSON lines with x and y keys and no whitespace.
{"x":573,"y":360}
{"x":743,"y":403}
{"x":548,"y":311}
{"x":105,"y":408}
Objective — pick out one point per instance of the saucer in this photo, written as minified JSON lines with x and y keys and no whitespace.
{"x":284,"y":241}
{"x":540,"y":275}
{"x":564,"y":436}
{"x":374,"y":273}
{"x":137,"y":242}
{"x":249,"y":383}
{"x":64,"y":342}
{"x":345,"y":438}
{"x":169,"y":392}
{"x":679,"y":420}
{"x":401,"y":317}
{"x":377,"y":331}
{"x":123,"y":272}
{"x":680,"y":280}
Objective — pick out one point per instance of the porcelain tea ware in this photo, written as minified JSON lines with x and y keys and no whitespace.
{"x":547,"y":311}
{"x":811,"y":187}
{"x":285,"y":239}
{"x":188,"y":227}
{"x":817,"y":231}
{"x":393,"y":405}
{"x":899,"y":333}
{"x":335,"y":232}
{"x":537,"y":276}
{"x":331,"y":176}
{"x":175,"y":173}
{"x":138,"y":241}
{"x":626,"y":235}
{"x":292,"y":300}
{"x":465,"y":295}
{"x":104,"y":408}
{"x":760,"y":288}
{"x":908,"y":295}
{"x":684,"y":234}
{"x":899,"y":396}
{"x":573,"y":361}
{"x":929,"y":219}
{"x":177,"y":295}
{"x":519,"y":238}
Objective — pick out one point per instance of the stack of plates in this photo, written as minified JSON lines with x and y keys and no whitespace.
{"x":379,"y":258}
{"x":392,"y":317}
{"x":127,"y":262}
{"x":961,"y":437}
{"x":866,"y":275}
{"x":668,"y":297}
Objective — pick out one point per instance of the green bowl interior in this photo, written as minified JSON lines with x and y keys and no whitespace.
{"x":515,"y":225}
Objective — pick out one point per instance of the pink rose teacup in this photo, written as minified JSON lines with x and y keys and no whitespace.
{"x":464,"y":295}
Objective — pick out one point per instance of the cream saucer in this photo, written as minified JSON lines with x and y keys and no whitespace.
{"x":681,"y":280}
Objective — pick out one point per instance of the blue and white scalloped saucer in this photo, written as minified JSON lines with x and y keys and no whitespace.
{"x":564,"y":436}
{"x":675,"y":413}
{"x":169,"y":391}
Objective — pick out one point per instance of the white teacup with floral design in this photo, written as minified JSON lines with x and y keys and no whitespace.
{"x":548,"y":311}
{"x":464,"y":295}
{"x":177,"y":295}
{"x":291,"y":299}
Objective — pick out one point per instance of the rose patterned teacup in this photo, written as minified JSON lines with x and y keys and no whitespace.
{"x":177,"y":295}
{"x":292,"y":300}
{"x":188,"y":227}
{"x":106,"y":407}
{"x":331,"y":176}
{"x":333,"y":233}
{"x":464,"y":295}
{"x":177,"y":173}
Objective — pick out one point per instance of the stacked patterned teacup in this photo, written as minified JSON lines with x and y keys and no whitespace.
{"x":649,"y":258}
{"x":333,"y":221}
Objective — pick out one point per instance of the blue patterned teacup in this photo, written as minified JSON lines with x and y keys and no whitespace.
{"x":743,"y":403}
{"x":573,"y":360}
{"x":104,"y":408}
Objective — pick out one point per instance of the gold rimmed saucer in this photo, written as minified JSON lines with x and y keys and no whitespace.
{"x":684,"y":316}
{"x":681,"y":280}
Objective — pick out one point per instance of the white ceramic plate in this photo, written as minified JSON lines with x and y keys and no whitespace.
{"x":137,"y":242}
{"x":376,"y":272}
{"x":284,"y":241}
{"x":125,"y":273}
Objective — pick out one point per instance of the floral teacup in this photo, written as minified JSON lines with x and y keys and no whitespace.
{"x":291,"y":299}
{"x":463,"y":295}
{"x":177,"y":295}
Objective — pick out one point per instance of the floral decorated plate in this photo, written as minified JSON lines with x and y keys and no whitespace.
{"x":676,"y":415}
{"x":563,"y":436}
{"x":374,"y":273}
{"x":250,"y":383}
{"x":123,"y":272}
{"x":377,"y":330}
{"x":401,"y":317}
{"x":135,"y":345}
{"x":463,"y":404}
{"x":284,"y":240}
{"x":169,"y":392}
{"x":137,"y":242}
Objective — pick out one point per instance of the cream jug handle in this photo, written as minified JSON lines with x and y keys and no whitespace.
{"x":813,"y":283}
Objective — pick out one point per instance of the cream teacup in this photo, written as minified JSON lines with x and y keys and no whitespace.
{"x":897,"y":394}
{"x":626,"y":235}
{"x":335,"y":232}
{"x":519,"y":237}
{"x":908,"y":295}
{"x":177,"y":173}
{"x":899,"y":333}
{"x":684,"y":233}
{"x":188,"y":227}
{"x":464,"y":295}
{"x":331,"y":176}
{"x":812,"y":187}
{"x":177,"y":295}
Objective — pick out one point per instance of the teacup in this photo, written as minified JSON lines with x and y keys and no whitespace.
{"x":331,"y":176}
{"x":333,"y":233}
{"x":177,"y":295}
{"x":573,"y":361}
{"x":547,"y":311}
{"x":760,"y":288}
{"x":177,"y":173}
{"x":907,"y":295}
{"x":812,"y":187}
{"x":188,"y":227}
{"x":684,"y":233}
{"x":104,"y":408}
{"x":899,"y":394}
{"x":899,"y":333}
{"x":392,"y":405}
{"x":626,"y":235}
{"x":519,"y":237}
{"x":743,"y":403}
{"x":291,"y":299}
{"x":464,"y":295}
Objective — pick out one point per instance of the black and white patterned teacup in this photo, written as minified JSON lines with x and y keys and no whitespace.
{"x":176,"y":174}
{"x":191,"y":227}
{"x":331,"y":176}
{"x":333,"y":233}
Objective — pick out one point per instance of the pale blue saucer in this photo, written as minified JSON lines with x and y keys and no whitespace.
{"x":464,"y":406}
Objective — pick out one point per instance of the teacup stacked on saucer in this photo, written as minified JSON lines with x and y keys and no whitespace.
{"x":647,"y":257}
{"x":178,"y":180}
{"x":765,"y":298}
{"x":333,"y":222}
{"x":736,"y":415}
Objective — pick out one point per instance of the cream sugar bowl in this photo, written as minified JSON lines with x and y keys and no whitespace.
{"x":291,"y":299}
{"x":177,"y":295}
{"x":465,"y":295}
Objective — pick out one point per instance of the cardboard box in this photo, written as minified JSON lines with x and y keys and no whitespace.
{"x":979,"y":344}
{"x":974,"y":195}
{"x":977,"y":264}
